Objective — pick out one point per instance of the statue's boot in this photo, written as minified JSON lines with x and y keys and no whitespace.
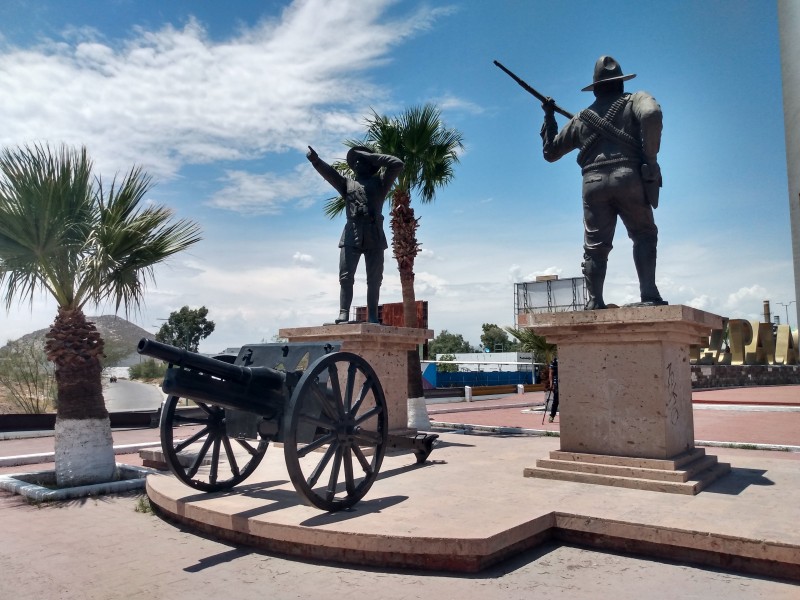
{"x":644,"y":257}
{"x":373,"y":297}
{"x":345,"y":299}
{"x":594,"y":275}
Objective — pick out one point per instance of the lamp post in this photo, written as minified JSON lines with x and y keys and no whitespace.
{"x":786,"y":306}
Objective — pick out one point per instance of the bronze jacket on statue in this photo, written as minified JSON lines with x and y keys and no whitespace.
{"x":364,"y":198}
{"x":638,"y":116}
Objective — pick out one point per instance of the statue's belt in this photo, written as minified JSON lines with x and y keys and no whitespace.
{"x":611,"y":162}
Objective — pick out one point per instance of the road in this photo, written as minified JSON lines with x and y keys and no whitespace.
{"x":125,"y":395}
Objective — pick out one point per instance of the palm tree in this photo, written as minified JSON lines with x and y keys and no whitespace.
{"x":429,"y":150}
{"x":63,"y":233}
{"x":535,"y":344}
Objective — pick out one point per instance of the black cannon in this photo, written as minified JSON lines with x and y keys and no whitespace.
{"x":325,"y":406}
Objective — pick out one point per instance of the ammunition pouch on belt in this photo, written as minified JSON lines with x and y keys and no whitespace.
{"x":651,"y":178}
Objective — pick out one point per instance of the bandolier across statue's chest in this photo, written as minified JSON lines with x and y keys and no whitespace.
{"x":609,"y":132}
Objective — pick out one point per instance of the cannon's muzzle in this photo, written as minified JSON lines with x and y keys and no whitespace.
{"x":211,"y":366}
{"x":261,"y":377}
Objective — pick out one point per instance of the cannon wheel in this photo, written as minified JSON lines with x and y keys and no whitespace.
{"x":337,"y":413}
{"x":187,"y":437}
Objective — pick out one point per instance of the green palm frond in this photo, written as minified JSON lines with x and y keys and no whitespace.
{"x":419,"y":138}
{"x":533,"y":343}
{"x":45,"y":211}
{"x":62,"y":232}
{"x":131,"y":239}
{"x":334,"y":207}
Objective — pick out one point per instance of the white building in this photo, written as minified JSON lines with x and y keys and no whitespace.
{"x":492,"y":361}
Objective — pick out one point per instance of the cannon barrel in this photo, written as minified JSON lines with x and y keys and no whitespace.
{"x":211,"y":366}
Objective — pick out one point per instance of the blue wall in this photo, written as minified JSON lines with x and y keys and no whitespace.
{"x":434,"y":379}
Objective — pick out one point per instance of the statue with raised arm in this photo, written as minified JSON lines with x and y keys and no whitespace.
{"x":617,"y":138}
{"x":363,"y":232}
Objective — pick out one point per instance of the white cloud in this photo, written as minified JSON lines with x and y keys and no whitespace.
{"x":515,"y":273}
{"x":702,"y":302}
{"x":267,"y":193}
{"x":301,"y":258}
{"x":173,"y":96}
{"x":452,"y":103}
{"x":426,"y":254}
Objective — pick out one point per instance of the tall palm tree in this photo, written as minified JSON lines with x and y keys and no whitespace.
{"x":430,"y":151}
{"x":63,"y":233}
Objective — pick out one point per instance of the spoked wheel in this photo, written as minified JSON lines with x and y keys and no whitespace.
{"x":199,"y":451}
{"x":336,"y":430}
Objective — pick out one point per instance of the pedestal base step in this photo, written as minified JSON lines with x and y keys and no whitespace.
{"x":688,"y":473}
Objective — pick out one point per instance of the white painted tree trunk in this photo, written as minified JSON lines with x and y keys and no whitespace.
{"x":418,"y":414}
{"x":84,"y":452}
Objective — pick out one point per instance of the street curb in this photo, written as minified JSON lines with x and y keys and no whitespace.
{"x":748,"y":446}
{"x":45,"y":457}
{"x":456,"y":427}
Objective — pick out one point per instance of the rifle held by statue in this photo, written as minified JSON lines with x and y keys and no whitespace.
{"x":532,"y":91}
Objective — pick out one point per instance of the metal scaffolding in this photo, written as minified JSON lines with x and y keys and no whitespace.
{"x":550,"y":295}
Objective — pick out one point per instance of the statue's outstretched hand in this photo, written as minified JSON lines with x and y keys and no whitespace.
{"x":312,"y":155}
{"x":549,"y":106}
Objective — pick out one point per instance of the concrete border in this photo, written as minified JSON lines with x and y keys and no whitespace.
{"x":32,"y":485}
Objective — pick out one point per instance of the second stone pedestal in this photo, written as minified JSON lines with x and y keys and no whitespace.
{"x":626,"y":398}
{"x":384,"y":348}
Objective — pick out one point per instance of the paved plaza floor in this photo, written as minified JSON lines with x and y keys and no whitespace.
{"x":103,"y":548}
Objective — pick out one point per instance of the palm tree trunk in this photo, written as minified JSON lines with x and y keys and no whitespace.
{"x":84,"y":452}
{"x":406,"y":248}
{"x":410,"y":320}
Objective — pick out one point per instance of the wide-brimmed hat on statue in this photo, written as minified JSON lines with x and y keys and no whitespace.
{"x":606,"y":69}
{"x":351,"y":156}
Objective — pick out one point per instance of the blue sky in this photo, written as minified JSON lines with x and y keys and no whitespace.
{"x":218,"y":102}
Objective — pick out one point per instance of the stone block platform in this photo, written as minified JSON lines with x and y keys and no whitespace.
{"x":469,"y":507}
{"x":384,"y":348}
{"x":626,"y":397}
{"x":687,"y":473}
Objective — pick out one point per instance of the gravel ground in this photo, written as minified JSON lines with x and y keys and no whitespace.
{"x":104,"y":549}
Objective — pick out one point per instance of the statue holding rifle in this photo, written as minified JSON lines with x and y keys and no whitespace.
{"x":617,"y":137}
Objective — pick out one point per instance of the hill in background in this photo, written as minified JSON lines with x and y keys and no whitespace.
{"x":119,"y":335}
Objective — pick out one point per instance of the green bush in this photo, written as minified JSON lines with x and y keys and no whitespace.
{"x":28,"y":376}
{"x":446,"y":368}
{"x":148,"y":369}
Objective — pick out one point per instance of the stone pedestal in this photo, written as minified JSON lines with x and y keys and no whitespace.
{"x":626,"y":395}
{"x":384,"y":348}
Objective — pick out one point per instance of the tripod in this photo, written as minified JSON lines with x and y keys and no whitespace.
{"x":547,"y":401}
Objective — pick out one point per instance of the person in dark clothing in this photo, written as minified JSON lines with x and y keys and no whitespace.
{"x":363,"y":232}
{"x":618,"y":138}
{"x":552,"y":380}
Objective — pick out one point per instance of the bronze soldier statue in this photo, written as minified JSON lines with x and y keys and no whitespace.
{"x":617,"y":138}
{"x":363,"y":232}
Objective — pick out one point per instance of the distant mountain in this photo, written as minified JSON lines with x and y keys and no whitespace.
{"x":116,"y":331}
